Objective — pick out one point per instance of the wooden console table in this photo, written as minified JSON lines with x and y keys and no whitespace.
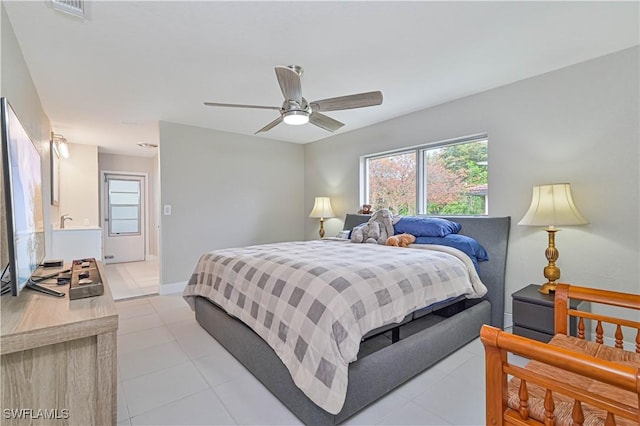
{"x":59,"y":359}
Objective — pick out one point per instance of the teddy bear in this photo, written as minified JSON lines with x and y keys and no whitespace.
{"x":366,"y":209}
{"x":401,"y":240}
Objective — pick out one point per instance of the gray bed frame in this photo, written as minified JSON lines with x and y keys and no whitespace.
{"x":381,"y":366}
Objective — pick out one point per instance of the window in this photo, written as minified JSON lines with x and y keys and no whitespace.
{"x":124,"y":207}
{"x":448,"y":178}
{"x":392,"y":182}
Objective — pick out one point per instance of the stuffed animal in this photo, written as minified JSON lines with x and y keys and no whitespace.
{"x":376,"y":230}
{"x":368,"y":233}
{"x":401,"y":240}
{"x":366,"y":209}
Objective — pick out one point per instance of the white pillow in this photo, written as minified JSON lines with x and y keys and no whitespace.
{"x":343,"y":234}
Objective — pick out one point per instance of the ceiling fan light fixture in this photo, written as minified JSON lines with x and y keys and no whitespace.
{"x":296,"y":117}
{"x":295,"y":109}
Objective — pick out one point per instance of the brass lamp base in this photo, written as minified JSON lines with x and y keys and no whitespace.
{"x":551,"y":271}
{"x":547,"y":288}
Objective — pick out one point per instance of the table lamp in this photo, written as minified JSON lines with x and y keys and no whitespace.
{"x":322,"y":209}
{"x":551,"y":206}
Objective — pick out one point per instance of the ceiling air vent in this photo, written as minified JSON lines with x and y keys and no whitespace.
{"x":72,"y":7}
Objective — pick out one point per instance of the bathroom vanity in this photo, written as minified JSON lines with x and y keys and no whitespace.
{"x":77,"y":243}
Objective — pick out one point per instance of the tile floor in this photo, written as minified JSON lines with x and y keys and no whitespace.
{"x":170,"y":372}
{"x":133,"y":279}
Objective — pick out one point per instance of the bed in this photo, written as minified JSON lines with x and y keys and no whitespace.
{"x":570,"y":380}
{"x":388,"y":357}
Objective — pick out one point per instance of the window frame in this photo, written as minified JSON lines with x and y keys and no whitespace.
{"x":138,"y":219}
{"x":420,"y":155}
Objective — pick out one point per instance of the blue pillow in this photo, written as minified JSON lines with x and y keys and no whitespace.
{"x":420,"y":226}
{"x":468,"y":245}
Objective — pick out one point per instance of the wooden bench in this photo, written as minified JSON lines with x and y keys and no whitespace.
{"x":570,"y":380}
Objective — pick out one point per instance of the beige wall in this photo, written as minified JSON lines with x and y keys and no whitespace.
{"x":137,"y":165}
{"x":226,"y":190}
{"x":79,"y":186}
{"x":17,"y":86}
{"x":579,"y":124}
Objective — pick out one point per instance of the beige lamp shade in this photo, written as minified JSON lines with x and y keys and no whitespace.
{"x":322,"y":208}
{"x":552,"y":205}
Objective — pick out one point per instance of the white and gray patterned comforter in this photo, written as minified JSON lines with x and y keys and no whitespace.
{"x":313,"y":301}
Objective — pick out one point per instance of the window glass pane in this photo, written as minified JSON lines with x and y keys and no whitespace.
{"x":124,"y":212}
{"x":392,"y":182}
{"x":124,"y":191}
{"x":127,"y":226}
{"x":124,"y":198}
{"x":124,"y":185}
{"x":456,"y":179}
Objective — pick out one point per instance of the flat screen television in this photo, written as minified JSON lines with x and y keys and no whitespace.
{"x":23,"y":249}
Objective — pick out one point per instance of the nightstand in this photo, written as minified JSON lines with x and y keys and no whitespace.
{"x":533,"y":314}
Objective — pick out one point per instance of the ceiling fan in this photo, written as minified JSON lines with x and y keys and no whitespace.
{"x":296,"y":110}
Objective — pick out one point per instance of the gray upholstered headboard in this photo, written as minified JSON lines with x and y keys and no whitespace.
{"x":493,"y":234}
{"x":353,"y":220}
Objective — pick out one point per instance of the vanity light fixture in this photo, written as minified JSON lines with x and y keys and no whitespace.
{"x":60,"y":145}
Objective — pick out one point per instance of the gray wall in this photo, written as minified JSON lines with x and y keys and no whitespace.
{"x":131,"y":164}
{"x":579,"y":124}
{"x":226,"y":190}
{"x":17,"y":86}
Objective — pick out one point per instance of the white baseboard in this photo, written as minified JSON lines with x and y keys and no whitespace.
{"x":508,"y":320}
{"x":151,"y":257}
{"x":172,"y":288}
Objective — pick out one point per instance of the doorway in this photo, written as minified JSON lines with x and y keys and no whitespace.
{"x":129,"y":214}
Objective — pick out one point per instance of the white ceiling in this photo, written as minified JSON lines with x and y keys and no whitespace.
{"x":107,"y":80}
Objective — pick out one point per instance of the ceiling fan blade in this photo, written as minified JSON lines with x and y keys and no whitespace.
{"x":216,"y":104}
{"x":325,"y":121}
{"x":359,"y":100}
{"x":290,"y":84}
{"x":270,"y":126}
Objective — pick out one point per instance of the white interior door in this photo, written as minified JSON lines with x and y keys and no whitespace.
{"x":124,"y":213}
